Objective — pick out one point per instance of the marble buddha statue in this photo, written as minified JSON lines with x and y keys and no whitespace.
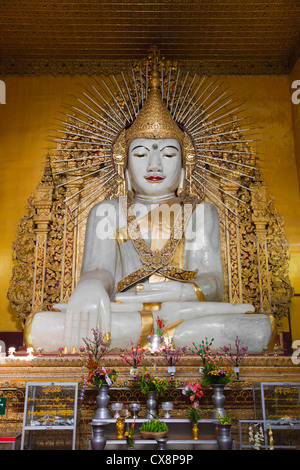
{"x":152,"y":253}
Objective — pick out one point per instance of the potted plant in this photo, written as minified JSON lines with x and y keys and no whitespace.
{"x":156,"y":338}
{"x":203,"y":350}
{"x":214,"y":373}
{"x":224,"y":438}
{"x":153,"y":429}
{"x":151,"y":386}
{"x":216,"y":376}
{"x":194,"y":415}
{"x":193,"y":391}
{"x":133,"y":356}
{"x":172,"y":354}
{"x":95,"y":346}
{"x":235,"y":357}
{"x":98,"y":374}
{"x":129,"y":436}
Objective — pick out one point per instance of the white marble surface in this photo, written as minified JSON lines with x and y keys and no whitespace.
{"x":106,"y":262}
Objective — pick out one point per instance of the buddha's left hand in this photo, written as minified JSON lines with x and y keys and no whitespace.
{"x":160,"y":292}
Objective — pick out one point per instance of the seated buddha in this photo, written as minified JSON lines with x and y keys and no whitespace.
{"x":152,"y":253}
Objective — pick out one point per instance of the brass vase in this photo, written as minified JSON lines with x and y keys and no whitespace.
{"x":195,"y":431}
{"x":120,"y":427}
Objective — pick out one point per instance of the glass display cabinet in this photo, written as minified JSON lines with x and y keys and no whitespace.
{"x":49,"y":406}
{"x":277,"y":406}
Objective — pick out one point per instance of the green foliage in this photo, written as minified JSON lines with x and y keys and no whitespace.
{"x":150,"y":383}
{"x":224,"y":419}
{"x":214,"y":373}
{"x":154,"y":425}
{"x":194,"y":414}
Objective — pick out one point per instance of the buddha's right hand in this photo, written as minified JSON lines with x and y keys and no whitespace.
{"x":91,"y":301}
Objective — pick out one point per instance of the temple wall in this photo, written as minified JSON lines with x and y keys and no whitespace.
{"x":295,"y":261}
{"x":34,"y":103}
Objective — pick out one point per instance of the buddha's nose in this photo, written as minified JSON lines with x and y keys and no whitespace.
{"x":154,"y":161}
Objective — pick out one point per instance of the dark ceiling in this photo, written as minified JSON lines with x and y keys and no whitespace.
{"x":221,"y":36}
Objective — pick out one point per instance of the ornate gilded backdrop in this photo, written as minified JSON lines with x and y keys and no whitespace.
{"x":87,"y":166}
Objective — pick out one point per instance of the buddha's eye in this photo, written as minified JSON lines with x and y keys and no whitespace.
{"x":140,"y":155}
{"x":169,"y":155}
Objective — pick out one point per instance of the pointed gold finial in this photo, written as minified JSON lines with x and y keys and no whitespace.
{"x":154,"y":120}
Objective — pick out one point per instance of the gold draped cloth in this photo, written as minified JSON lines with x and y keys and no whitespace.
{"x":158,"y":260}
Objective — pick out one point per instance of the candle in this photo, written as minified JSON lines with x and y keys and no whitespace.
{"x":29,"y":352}
{"x":11,"y":351}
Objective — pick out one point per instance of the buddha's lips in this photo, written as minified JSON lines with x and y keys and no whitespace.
{"x":154,"y":179}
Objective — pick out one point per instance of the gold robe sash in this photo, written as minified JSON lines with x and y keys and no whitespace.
{"x":157,"y":261}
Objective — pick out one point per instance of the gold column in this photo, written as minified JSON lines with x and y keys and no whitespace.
{"x":69,"y":243}
{"x":42,"y":218}
{"x":260,"y":217}
{"x":232,"y":243}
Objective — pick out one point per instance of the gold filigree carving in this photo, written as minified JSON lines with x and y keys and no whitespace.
{"x":254,"y":247}
{"x":21,"y":283}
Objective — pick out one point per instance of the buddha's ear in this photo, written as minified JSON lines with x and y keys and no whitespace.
{"x":128,"y":182}
{"x":181,"y":189}
{"x":182,"y":179}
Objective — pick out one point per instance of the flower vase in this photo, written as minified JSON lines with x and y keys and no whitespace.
{"x":224,"y":438}
{"x":151,"y":405}
{"x":195,"y":431}
{"x":103,"y":400}
{"x":98,"y":440}
{"x":155,"y":341}
{"x":218,"y":399}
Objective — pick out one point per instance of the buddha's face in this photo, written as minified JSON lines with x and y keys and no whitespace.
{"x":154,"y":166}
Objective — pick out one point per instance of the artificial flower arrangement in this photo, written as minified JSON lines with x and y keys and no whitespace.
{"x":235,"y":357}
{"x":96,"y":349}
{"x":214,"y":373}
{"x":129,"y":435}
{"x":156,"y":339}
{"x":99,"y":376}
{"x":160,"y":324}
{"x":203,"y":349}
{"x":172,"y":354}
{"x":150,"y":383}
{"x":226,"y":419}
{"x":133,"y":356}
{"x":193,"y":391}
{"x":256,"y":435}
{"x":194,"y":413}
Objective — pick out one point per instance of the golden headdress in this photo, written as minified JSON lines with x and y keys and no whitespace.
{"x":170,"y":105}
{"x":154,"y":121}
